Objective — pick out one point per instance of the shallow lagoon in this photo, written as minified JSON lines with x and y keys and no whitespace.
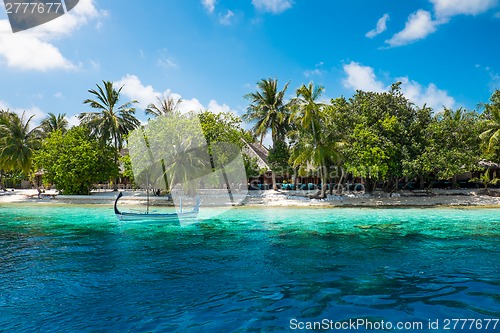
{"x":76,"y":268}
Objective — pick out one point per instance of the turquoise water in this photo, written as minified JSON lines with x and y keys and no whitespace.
{"x":77,"y":269}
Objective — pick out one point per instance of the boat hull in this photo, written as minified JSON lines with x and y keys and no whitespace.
{"x":169,"y":217}
{"x":123,"y":216}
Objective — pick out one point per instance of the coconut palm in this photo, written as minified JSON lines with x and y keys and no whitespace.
{"x":307,"y":112}
{"x":18,"y":141}
{"x":491,"y":137}
{"x":268,"y":111}
{"x":166,"y":106}
{"x":52,"y":123}
{"x":112,"y":122}
{"x":314,"y":143}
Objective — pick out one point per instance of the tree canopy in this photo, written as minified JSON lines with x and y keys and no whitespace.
{"x":74,"y":161}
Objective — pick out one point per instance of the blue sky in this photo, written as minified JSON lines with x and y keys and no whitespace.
{"x":212,"y":52}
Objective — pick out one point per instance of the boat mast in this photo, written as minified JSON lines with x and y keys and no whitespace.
{"x":147,"y":194}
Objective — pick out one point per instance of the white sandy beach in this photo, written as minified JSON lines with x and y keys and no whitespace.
{"x":462,"y":198}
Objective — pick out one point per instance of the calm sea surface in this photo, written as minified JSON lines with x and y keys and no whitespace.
{"x":77,"y":269}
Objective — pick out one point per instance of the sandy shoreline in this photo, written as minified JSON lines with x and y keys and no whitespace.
{"x":453,"y":198}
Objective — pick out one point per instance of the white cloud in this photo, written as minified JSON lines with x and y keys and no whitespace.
{"x":209,"y":5}
{"x":381,"y":27}
{"x":418,"y":26}
{"x":363,"y":78}
{"x":133,"y":89}
{"x":448,"y":8}
{"x":28,"y":52}
{"x":32,"y":49}
{"x":226,"y":19}
{"x":272,"y":6}
{"x":430,"y":95}
{"x":73,"y":121}
{"x":193,"y":104}
{"x":217,"y":108}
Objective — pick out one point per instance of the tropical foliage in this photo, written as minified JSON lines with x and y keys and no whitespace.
{"x":491,"y":135}
{"x":18,"y":141}
{"x":74,"y":161}
{"x":382,"y":138}
{"x":378,"y":138}
{"x":52,"y":123}
{"x":112,"y":122}
{"x":268,"y":111}
{"x":166,"y":106}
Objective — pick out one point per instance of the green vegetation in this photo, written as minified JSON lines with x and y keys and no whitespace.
{"x":380,"y":139}
{"x":52,"y":123}
{"x":168,"y":105}
{"x":18,"y":142}
{"x":269,"y":112}
{"x":111,"y":123}
{"x":75,"y":161}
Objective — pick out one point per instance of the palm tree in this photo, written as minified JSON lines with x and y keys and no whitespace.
{"x":167,"y":105}
{"x":268,"y":111}
{"x":491,"y":137}
{"x":307,"y":113}
{"x":111,"y":123}
{"x":52,"y":123}
{"x":314,"y":143}
{"x":18,"y":141}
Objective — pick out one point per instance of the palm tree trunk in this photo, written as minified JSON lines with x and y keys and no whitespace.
{"x":165,"y":176}
{"x":323,"y":181}
{"x":296,"y":179}
{"x":115,"y":184}
{"x":341,"y":180}
{"x":273,"y":176}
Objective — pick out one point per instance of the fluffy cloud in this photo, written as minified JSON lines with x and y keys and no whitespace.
{"x":209,"y":5}
{"x":217,"y":108}
{"x":32,"y":49}
{"x":421,"y":24}
{"x":73,"y":121}
{"x":430,"y":95}
{"x":272,"y":6}
{"x":418,"y":26}
{"x":360,"y":77}
{"x":448,"y":8}
{"x":133,"y":89}
{"x":381,"y":27}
